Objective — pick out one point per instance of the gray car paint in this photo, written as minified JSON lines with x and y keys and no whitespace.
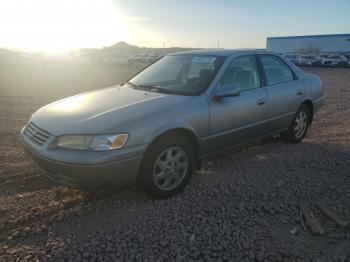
{"x":216,"y":124}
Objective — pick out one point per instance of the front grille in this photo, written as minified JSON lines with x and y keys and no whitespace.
{"x":36,"y":134}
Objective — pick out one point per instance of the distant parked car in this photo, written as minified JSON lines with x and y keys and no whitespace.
{"x":334,"y":60}
{"x":291,"y":57}
{"x":155,"y":129}
{"x":322,"y":56}
{"x":348,"y":58}
{"x":143,"y":58}
{"x":308,"y":60}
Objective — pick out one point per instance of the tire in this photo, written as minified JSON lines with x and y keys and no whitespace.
{"x":299,"y":126}
{"x":167,"y":167}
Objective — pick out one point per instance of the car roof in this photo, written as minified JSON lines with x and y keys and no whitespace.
{"x":223,"y":52}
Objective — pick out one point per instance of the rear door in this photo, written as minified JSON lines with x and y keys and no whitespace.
{"x":284,"y":90}
{"x":234,"y":120}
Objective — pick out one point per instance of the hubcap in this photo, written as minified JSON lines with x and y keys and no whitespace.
{"x":170,"y":168}
{"x":300,"y":124}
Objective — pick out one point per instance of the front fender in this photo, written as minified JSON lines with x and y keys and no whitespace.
{"x":191,"y":115}
{"x":152,"y":135}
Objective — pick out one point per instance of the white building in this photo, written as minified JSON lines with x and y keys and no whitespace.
{"x":322,"y":43}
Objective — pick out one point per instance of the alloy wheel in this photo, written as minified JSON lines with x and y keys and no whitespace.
{"x":300,"y":124}
{"x":170,"y":168}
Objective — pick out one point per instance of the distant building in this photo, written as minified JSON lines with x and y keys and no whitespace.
{"x":309,"y":43}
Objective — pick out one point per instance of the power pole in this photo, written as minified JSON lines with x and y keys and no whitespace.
{"x":218,"y":44}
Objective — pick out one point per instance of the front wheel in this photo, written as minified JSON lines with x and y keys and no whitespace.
{"x":167,"y":167}
{"x":299,"y":127}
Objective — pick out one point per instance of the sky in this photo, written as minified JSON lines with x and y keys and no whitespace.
{"x":58,"y":25}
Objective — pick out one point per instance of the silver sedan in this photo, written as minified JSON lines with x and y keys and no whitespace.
{"x":155,"y":129}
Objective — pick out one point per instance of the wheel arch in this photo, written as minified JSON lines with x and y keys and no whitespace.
{"x":185,"y":132}
{"x":310,"y":105}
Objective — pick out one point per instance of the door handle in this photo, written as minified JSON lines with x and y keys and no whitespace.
{"x":299,"y":92}
{"x":261,"y":102}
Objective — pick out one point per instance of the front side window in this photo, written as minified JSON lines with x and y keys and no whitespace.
{"x":242,"y":72}
{"x":276,"y":71}
{"x":179,"y":74}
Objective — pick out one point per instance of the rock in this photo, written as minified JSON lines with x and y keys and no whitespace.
{"x":245,"y":245}
{"x":293,"y":231}
{"x":260,"y":256}
{"x":163,"y":243}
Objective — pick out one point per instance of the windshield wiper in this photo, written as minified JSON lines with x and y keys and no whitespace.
{"x":129,"y":83}
{"x":150,"y":88}
{"x":153,"y":88}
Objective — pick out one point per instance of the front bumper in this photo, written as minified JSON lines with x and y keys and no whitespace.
{"x":88,"y":170}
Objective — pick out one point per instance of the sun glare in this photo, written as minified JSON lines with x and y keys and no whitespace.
{"x":59,"y":25}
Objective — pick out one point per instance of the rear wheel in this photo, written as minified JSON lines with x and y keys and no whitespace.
{"x":299,"y":127}
{"x":167,"y":167}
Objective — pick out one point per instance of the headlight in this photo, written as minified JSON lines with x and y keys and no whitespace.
{"x":92,"y":142}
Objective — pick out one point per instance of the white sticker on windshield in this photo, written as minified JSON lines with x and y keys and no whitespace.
{"x":203,"y":59}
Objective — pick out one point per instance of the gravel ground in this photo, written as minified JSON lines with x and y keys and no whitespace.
{"x":244,"y":207}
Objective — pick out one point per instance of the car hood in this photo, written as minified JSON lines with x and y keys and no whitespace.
{"x":96,"y":112}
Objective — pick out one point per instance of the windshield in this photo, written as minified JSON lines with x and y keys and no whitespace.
{"x":179,"y":74}
{"x":334,"y":57}
{"x":308,"y":57}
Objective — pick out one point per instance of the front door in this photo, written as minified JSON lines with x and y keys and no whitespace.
{"x":240,"y":118}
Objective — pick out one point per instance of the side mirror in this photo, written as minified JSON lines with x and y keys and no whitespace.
{"x":227,"y":91}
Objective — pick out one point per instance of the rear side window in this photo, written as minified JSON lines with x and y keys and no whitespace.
{"x":276,"y":70}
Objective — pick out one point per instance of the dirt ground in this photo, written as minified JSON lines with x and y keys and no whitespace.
{"x":243,"y":208}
